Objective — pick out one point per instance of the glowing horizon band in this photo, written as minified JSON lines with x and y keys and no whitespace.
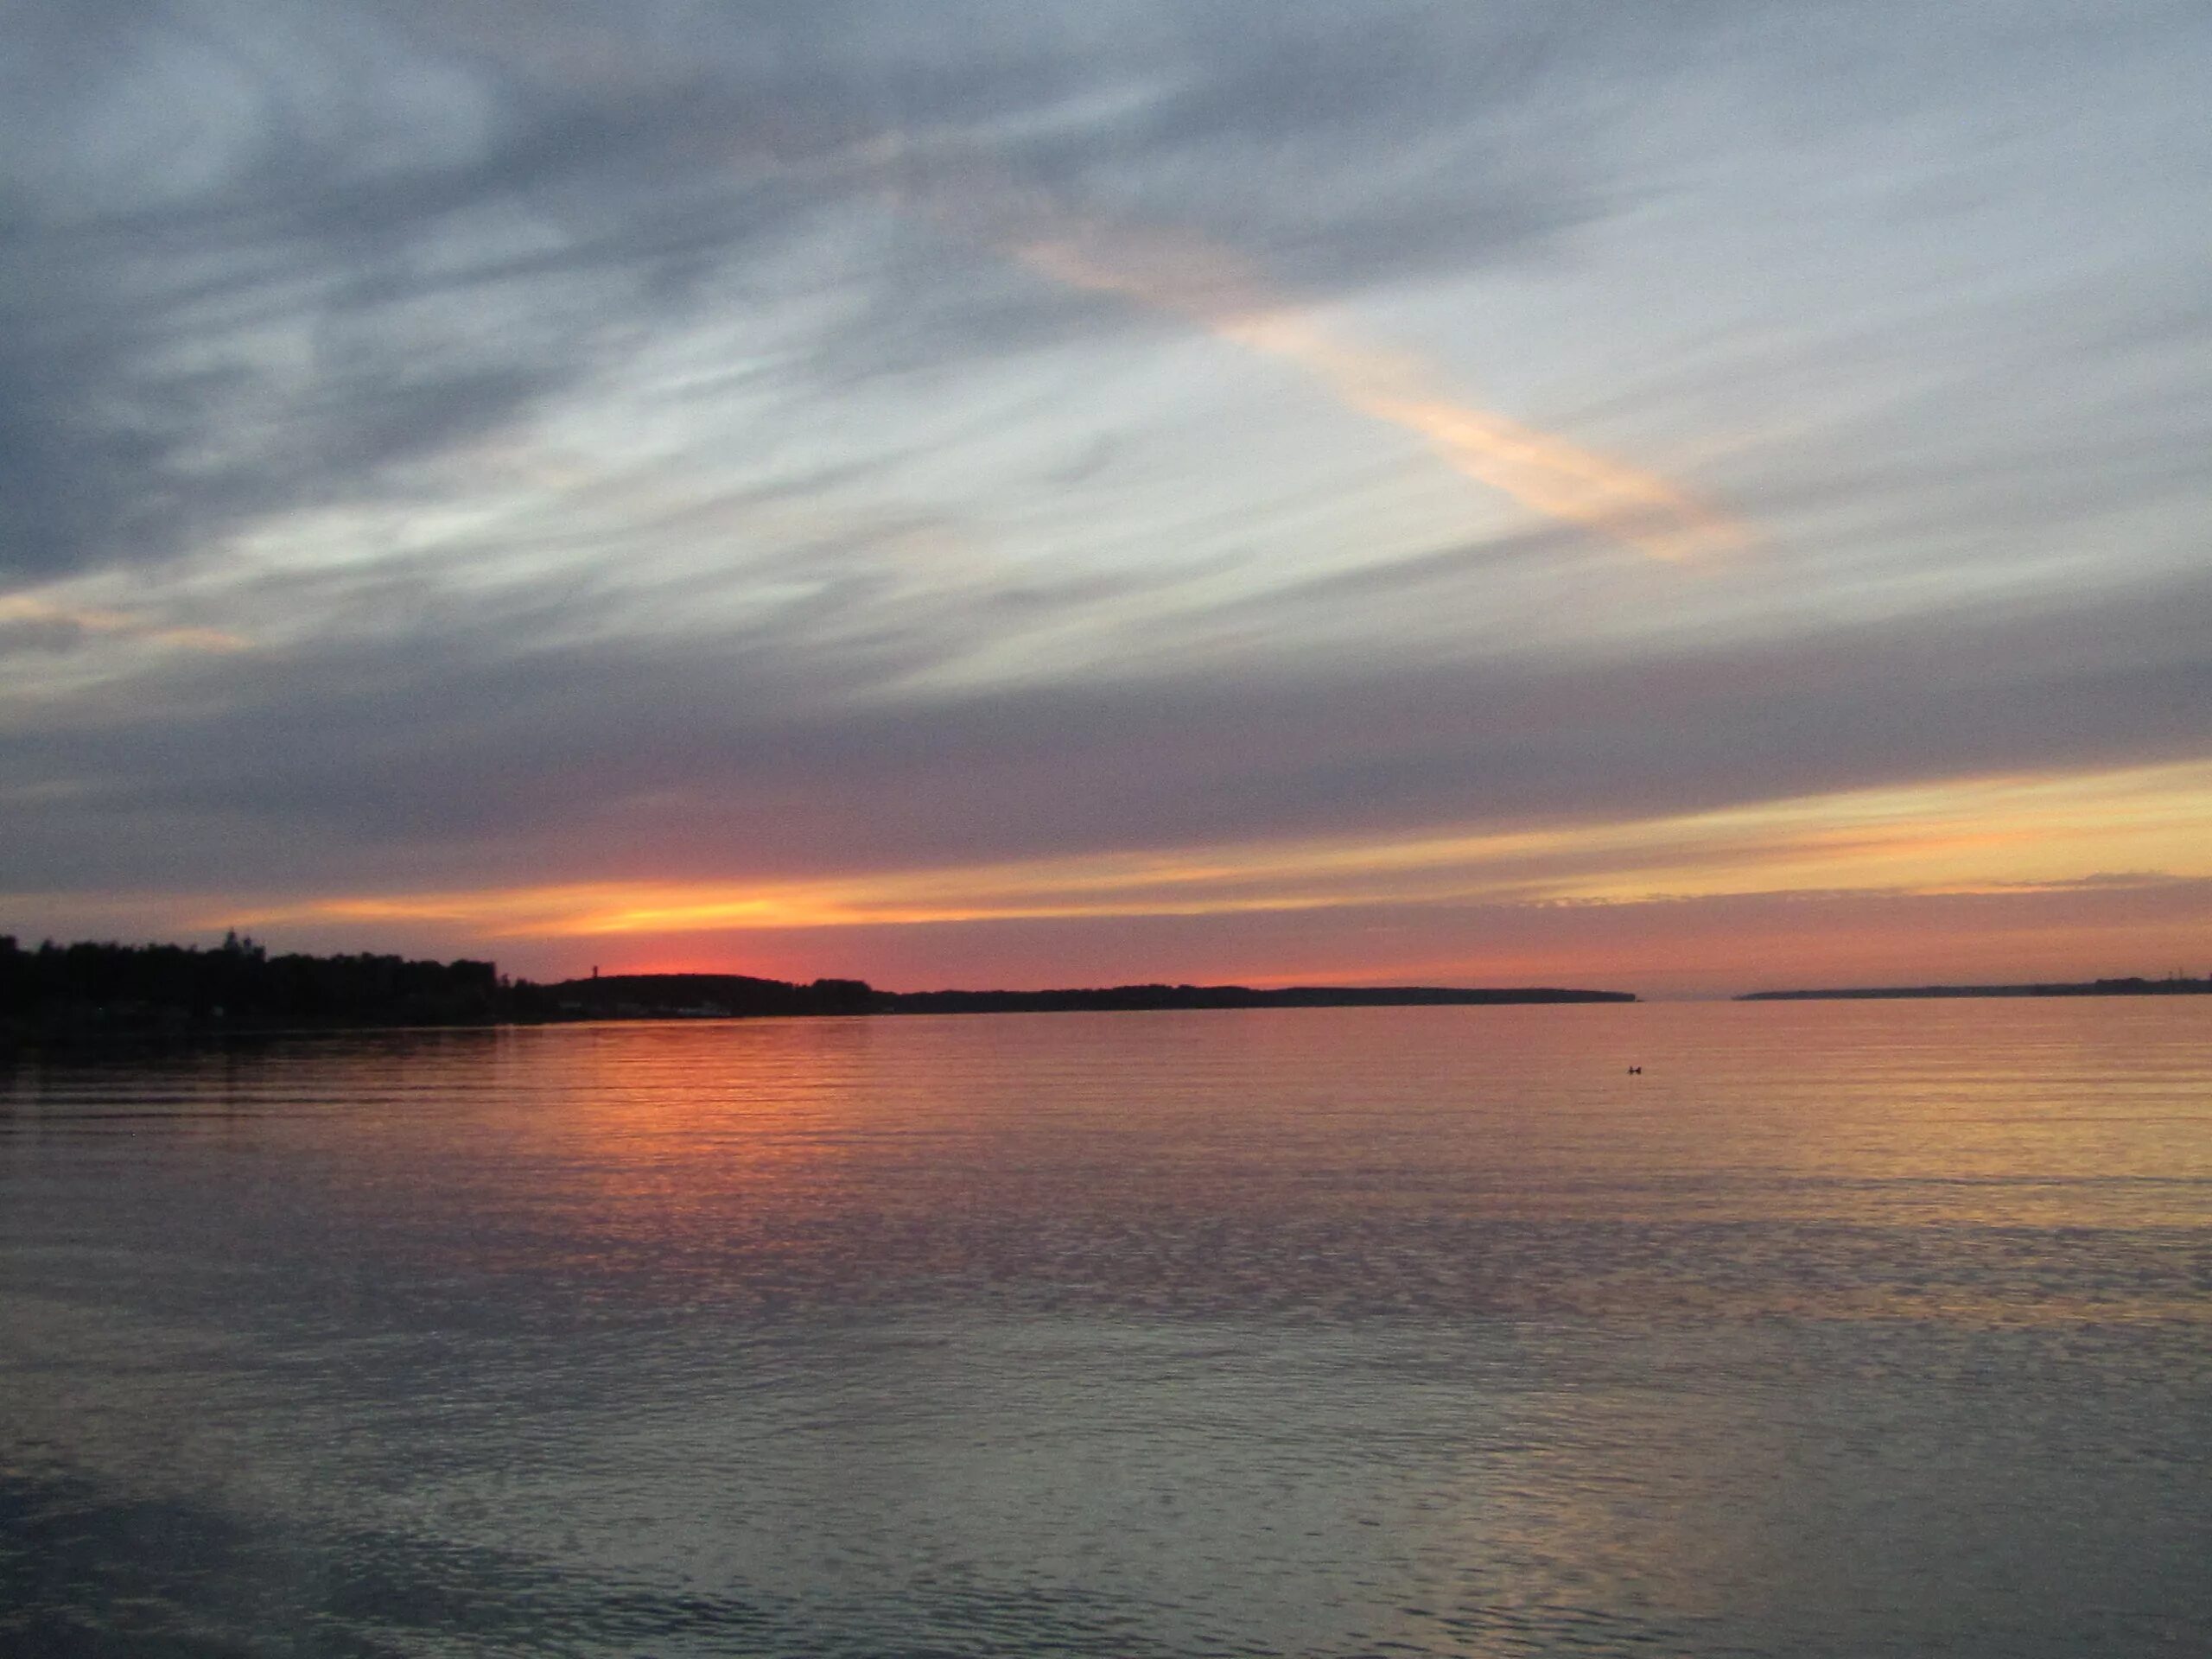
{"x":1988,"y":835}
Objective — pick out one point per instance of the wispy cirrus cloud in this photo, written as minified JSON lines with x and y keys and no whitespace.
{"x":781,"y":443}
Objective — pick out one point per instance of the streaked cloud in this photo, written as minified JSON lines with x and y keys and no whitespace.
{"x":1004,"y":473}
{"x":1988,"y":835}
{"x":1202,"y":283}
{"x":26,"y":619}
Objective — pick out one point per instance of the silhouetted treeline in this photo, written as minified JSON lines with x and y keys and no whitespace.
{"x":705,"y":995}
{"x":660,"y":996}
{"x":89,"y":993}
{"x":2175,"y":986}
{"x":86,"y":991}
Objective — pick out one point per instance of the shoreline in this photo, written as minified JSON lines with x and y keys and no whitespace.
{"x":2132,"y":987}
{"x":90,"y":1029}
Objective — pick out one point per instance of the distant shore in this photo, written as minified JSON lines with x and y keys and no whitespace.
{"x":89,"y":994}
{"x":2174,"y":987}
{"x":711,"y":996}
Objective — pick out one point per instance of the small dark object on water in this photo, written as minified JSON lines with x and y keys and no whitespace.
{"x":1636,"y":1070}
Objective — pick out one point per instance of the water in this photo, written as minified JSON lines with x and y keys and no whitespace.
{"x":1843,"y":1329}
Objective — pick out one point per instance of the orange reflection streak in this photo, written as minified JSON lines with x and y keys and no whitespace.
{"x":713,"y":1162}
{"x":1985,"y":835}
{"x":865,"y":1158}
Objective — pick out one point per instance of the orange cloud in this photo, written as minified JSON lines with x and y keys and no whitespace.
{"x":1961,"y":837}
{"x":130,"y":625}
{"x":1190,"y":279}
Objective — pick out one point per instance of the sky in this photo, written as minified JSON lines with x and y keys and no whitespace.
{"x":1684,"y":497}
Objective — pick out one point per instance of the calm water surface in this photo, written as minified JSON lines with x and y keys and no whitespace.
{"x":1845,"y":1329}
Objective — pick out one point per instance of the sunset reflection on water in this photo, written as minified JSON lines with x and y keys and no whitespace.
{"x":1841,"y":1159}
{"x":1839,"y":1327}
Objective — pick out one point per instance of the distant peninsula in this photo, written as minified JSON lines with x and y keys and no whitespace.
{"x":2175,"y":986}
{"x":664,"y":995}
{"x":87,"y":993}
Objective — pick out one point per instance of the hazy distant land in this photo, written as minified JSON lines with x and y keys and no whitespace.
{"x":86,"y":992}
{"x":2136,"y":986}
{"x":663,"y":995}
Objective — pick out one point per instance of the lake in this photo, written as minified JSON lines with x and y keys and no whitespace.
{"x":1843,"y":1329}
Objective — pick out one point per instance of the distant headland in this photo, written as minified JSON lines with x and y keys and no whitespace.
{"x":86,"y":992}
{"x":2174,"y":985}
{"x":662,"y":996}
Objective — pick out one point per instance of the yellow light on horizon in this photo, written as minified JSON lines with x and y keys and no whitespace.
{"x":2004,"y":834}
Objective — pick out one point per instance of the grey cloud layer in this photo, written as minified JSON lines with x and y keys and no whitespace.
{"x":440,"y":765}
{"x":284,"y":328}
{"x":258,"y":257}
{"x":265,"y":256}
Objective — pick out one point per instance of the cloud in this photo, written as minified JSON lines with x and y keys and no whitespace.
{"x":2008,"y":835}
{"x":1196,"y":281}
{"x":794,"y":748}
{"x":36,"y":624}
{"x":336,"y":287}
{"x":635,"y":444}
{"x":273,"y":256}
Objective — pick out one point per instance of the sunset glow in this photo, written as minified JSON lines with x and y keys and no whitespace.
{"x":1679,"y":504}
{"x":1139,"y":828}
{"x":1997,"y":838}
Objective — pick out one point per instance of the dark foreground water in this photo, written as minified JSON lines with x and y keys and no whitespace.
{"x":1845,"y":1329}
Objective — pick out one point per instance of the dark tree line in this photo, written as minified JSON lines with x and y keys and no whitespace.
{"x":86,"y":993}
{"x":84,"y":990}
{"x":619,"y":996}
